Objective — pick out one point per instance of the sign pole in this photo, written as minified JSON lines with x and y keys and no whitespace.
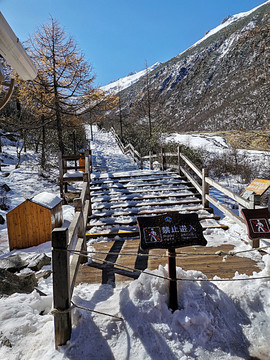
{"x":169,"y":231}
{"x":173,"y":302}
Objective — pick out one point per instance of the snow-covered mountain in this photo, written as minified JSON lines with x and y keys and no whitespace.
{"x":219,"y":83}
{"x":127,"y":81}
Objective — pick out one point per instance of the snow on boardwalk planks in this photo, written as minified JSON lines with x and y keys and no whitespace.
{"x":118,"y":198}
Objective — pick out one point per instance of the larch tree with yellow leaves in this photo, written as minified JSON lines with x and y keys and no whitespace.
{"x":63,"y":87}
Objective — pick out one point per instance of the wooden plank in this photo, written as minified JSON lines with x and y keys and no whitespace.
{"x":74,"y":167}
{"x":226,"y":211}
{"x":105,"y":221}
{"x":127,"y":186}
{"x":145,"y":204}
{"x":72,"y":178}
{"x":146,"y":212}
{"x":191,"y":165}
{"x":94,"y":193}
{"x":72,"y":157}
{"x":232,"y":195}
{"x":87,"y":274}
{"x":210,"y":265}
{"x":133,"y":179}
{"x":113,"y":233}
{"x":191,"y":179}
{"x":132,"y":248}
{"x":74,"y":265}
{"x":122,"y":175}
{"x":73,"y":230}
{"x":148,"y":197}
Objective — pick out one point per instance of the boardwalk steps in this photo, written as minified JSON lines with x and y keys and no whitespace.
{"x":117,"y":199}
{"x":116,"y":202}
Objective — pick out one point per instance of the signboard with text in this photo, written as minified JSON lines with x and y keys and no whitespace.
{"x":257,"y":186}
{"x":170,"y":230}
{"x":258,"y":223}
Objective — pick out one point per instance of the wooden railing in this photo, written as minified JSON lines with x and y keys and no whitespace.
{"x":64,"y":264}
{"x":128,"y":149}
{"x":85,"y":163}
{"x":201,"y":181}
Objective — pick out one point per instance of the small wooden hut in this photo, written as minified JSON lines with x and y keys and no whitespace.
{"x":31,"y":222}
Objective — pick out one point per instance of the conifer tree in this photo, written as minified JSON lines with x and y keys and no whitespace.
{"x":63,"y":86}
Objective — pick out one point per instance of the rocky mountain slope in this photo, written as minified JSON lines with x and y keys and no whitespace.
{"x":220,"y":83}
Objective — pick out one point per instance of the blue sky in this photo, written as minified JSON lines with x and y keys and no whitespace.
{"x":119,"y":36}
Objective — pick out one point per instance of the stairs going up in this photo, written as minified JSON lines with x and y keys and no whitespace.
{"x":117,"y":200}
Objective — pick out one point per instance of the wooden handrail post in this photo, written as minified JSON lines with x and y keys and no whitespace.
{"x":150,"y":161}
{"x":179,"y":160}
{"x":90,"y":160}
{"x":87,"y":161}
{"x":205,"y":188}
{"x":61,"y":286}
{"x":254,"y":200}
{"x":163,"y":160}
{"x":79,"y":206}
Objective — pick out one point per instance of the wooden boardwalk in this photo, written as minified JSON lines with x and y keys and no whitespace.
{"x":127,"y":253}
{"x":117,"y":200}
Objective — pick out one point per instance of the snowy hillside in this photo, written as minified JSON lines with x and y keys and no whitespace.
{"x":216,"y":319}
{"x":127,"y":81}
{"x":219,"y":83}
{"x":228,"y":21}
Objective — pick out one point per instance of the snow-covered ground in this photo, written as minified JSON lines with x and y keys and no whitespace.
{"x":217,"y":145}
{"x":215,"y":319}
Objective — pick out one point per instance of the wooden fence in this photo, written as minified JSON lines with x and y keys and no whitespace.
{"x":198,"y":178}
{"x":128,"y":150}
{"x":64,"y":240}
{"x":65,"y":266}
{"x":82,"y":161}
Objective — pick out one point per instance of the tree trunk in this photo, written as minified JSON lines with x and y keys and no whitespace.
{"x":59,"y":129}
{"x":43,"y":143}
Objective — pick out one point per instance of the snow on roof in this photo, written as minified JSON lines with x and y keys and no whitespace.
{"x":46,"y":199}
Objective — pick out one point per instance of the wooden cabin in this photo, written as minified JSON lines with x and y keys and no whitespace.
{"x":31,"y":222}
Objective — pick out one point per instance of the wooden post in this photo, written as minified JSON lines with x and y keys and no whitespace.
{"x":61,"y":286}
{"x":173,"y":302}
{"x":163,"y":160}
{"x":205,"y":188}
{"x":179,"y":160}
{"x":87,"y":162}
{"x":61,"y":174}
{"x":90,"y":160}
{"x":79,"y":206}
{"x":255,"y":200}
{"x":150,"y":161}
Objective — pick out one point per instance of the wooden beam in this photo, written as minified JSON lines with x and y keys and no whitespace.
{"x":61,"y":286}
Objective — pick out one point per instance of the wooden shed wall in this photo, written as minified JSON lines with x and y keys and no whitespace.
{"x":29,"y":224}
